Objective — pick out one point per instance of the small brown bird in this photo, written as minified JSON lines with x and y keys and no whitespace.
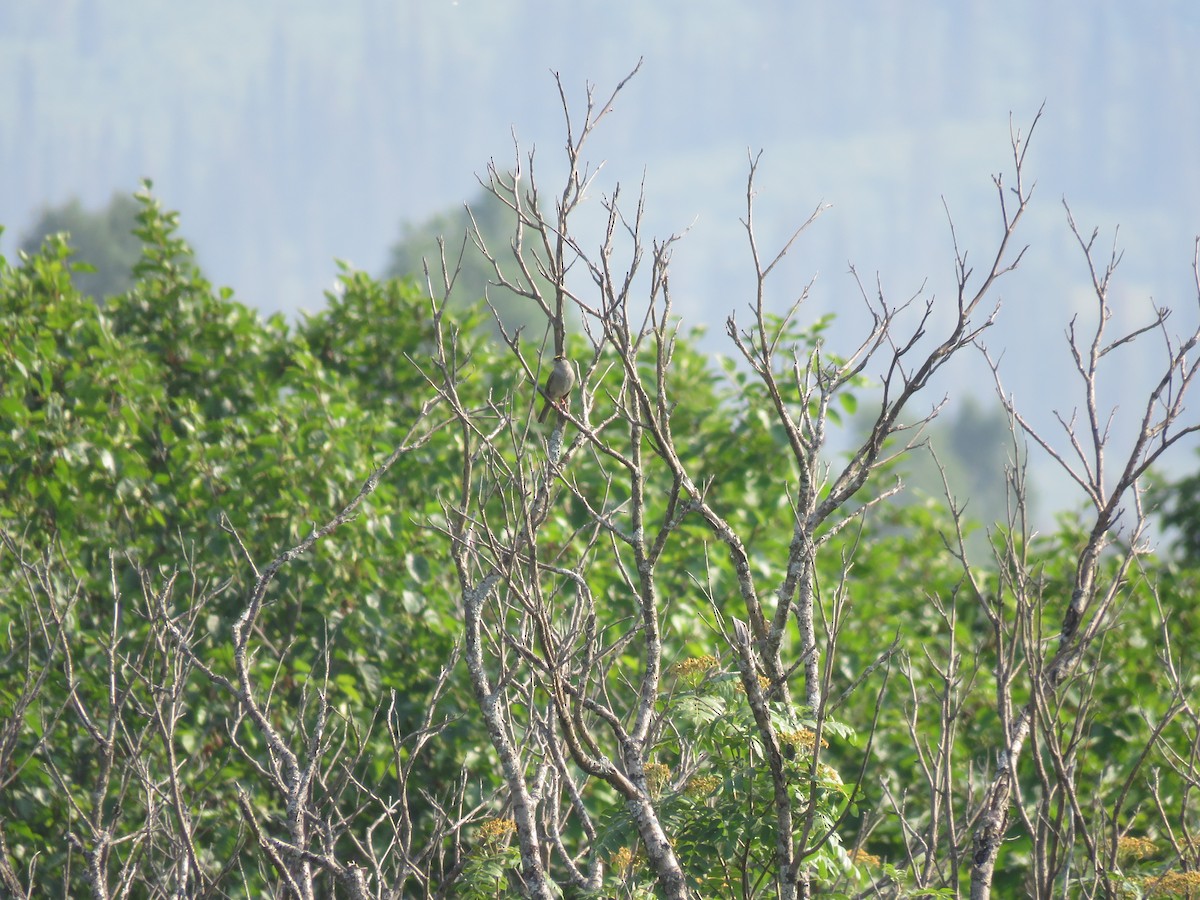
{"x":558,"y":384}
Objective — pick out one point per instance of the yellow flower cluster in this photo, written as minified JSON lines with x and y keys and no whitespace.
{"x":656,"y":776}
{"x":695,"y":667}
{"x":702,"y":785}
{"x":1134,"y":848}
{"x":1174,"y":884}
{"x":861,"y":857}
{"x":495,"y":831}
{"x":803,"y":740}
{"x":764,"y":684}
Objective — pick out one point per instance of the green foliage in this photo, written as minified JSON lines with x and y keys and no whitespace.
{"x":720,"y":808}
{"x":485,"y":872}
{"x":908,"y":585}
{"x":172,"y":429}
{"x":1178,"y":504}
{"x":103,"y":241}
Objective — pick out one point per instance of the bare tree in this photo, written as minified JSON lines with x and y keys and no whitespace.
{"x":1051,"y":663}
{"x":37,"y":655}
{"x":572,"y":703}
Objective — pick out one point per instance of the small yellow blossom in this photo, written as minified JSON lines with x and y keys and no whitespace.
{"x":828,"y":774}
{"x":622,"y":861}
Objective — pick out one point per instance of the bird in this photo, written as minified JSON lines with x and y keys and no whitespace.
{"x":558,"y":384}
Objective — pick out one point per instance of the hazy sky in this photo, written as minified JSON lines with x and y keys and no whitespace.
{"x":291,"y":134}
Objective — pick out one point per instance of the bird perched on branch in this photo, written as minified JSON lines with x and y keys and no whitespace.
{"x":558,"y":384}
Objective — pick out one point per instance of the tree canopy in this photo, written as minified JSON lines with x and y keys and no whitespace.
{"x":321,"y":610}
